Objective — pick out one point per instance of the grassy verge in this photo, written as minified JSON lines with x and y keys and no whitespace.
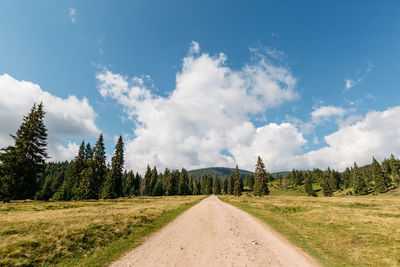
{"x":83,"y":233}
{"x":337,"y":231}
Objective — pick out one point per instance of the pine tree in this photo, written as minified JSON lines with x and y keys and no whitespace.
{"x":183,"y":185}
{"x":237,"y":183}
{"x":327,"y":184}
{"x":308,"y":185}
{"x":146,"y":182}
{"x":22,"y":162}
{"x":158,"y":187}
{"x":129,"y":184}
{"x":167,"y":182}
{"x":395,"y":167}
{"x":230,"y":184}
{"x":136,"y":185}
{"x":217,"y":185}
{"x":378,"y":177}
{"x":260,"y":179}
{"x":93,"y":176}
{"x":153,"y":181}
{"x":225,"y":185}
{"x":73,"y":180}
{"x":360,"y":187}
{"x":113,"y":184}
{"x":346,"y":175}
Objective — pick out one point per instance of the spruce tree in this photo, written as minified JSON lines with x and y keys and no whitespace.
{"x":23,"y":162}
{"x":153,"y":181}
{"x":146,"y":182}
{"x":260,"y":179}
{"x":378,"y":177}
{"x":136,"y":185}
{"x":129,"y":184}
{"x":230,"y":184}
{"x":237,"y":183}
{"x":217,"y":185}
{"x":158,"y":187}
{"x":225,"y":185}
{"x":183,"y":184}
{"x":93,"y":176}
{"x":395,"y":167}
{"x":327,"y":184}
{"x":360,"y":187}
{"x":308,"y":185}
{"x":167,"y":182}
{"x":113,"y":184}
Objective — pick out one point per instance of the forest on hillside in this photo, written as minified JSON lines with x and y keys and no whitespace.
{"x":25,"y":174}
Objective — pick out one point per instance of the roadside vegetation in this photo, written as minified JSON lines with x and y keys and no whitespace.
{"x":336,"y":231}
{"x":81,"y":233}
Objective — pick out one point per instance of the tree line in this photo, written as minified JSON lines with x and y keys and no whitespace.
{"x":374,"y":178}
{"x":25,"y":174}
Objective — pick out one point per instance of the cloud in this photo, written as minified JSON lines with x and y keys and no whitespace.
{"x":349,"y":83}
{"x":65,"y":117}
{"x":208,"y":112}
{"x":377,"y":134}
{"x":326,"y":112}
{"x":73,"y":14}
{"x":361,"y":75}
{"x":208,"y":120}
{"x":194,"y":48}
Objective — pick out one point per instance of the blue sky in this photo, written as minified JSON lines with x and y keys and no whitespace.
{"x":342,"y":57}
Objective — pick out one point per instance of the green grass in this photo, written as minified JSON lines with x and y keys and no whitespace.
{"x":81,"y":233}
{"x":337,"y":231}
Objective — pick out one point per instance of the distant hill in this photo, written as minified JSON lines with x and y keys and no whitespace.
{"x":222,"y":172}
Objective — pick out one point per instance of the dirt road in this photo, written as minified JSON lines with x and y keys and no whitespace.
{"x":213,"y":233}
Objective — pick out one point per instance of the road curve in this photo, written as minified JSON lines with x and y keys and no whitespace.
{"x":213,"y":233}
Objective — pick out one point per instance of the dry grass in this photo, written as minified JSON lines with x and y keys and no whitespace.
{"x":337,"y":231}
{"x":44,"y":233}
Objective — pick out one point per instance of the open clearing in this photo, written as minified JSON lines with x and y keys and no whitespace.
{"x":213,"y":233}
{"x":337,"y":231}
{"x":81,"y":233}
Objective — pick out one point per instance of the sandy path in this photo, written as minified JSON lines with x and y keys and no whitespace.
{"x":213,"y":233}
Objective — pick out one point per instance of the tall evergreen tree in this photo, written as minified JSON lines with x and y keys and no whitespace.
{"x":378,"y":176}
{"x":225,"y":185}
{"x":129,"y":184}
{"x":395,"y":167}
{"x":183,"y":185}
{"x":360,"y":187}
{"x":167,"y":182}
{"x":346,"y":175}
{"x":158,"y":187}
{"x":113,"y":184}
{"x":153,"y":181}
{"x":237,"y":183}
{"x":217,"y":185}
{"x":327,"y":183}
{"x":93,"y":176}
{"x":23,"y":162}
{"x":230,"y":184}
{"x":308,"y":185}
{"x":146,"y":182}
{"x":260,"y":179}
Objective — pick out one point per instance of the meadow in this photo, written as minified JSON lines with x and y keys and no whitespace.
{"x":336,"y":231}
{"x":81,"y":233}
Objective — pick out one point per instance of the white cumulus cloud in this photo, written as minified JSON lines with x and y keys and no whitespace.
{"x":208,"y":112}
{"x":377,"y":134}
{"x":65,"y":117}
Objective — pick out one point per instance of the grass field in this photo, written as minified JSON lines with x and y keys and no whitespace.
{"x":81,"y":233}
{"x":337,"y":231}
